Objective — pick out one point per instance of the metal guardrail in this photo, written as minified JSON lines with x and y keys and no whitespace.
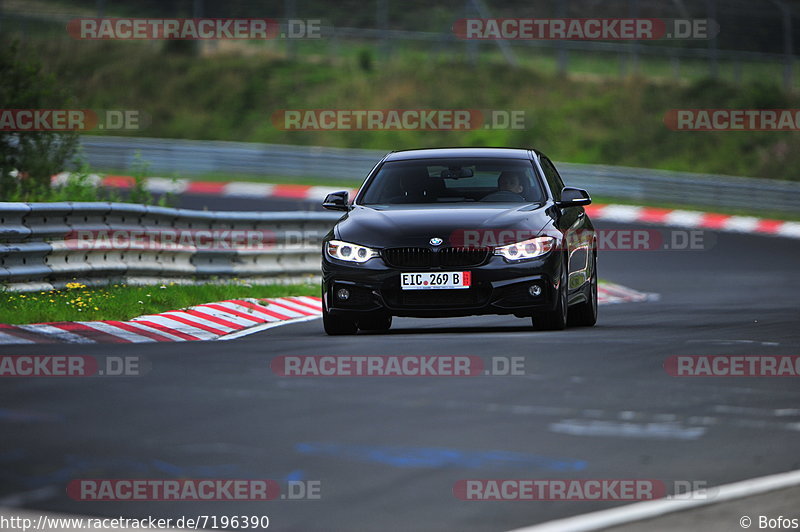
{"x":46,"y":245}
{"x":169,"y":156}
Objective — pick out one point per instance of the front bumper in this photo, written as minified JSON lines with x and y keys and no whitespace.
{"x":498,"y":287}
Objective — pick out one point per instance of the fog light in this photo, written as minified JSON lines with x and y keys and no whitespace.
{"x":535,"y":290}
{"x":343,"y":294}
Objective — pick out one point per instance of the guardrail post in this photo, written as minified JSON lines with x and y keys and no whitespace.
{"x":290,"y":10}
{"x":633,"y":12}
{"x":713,"y":45}
{"x":382,"y":23}
{"x":562,"y":10}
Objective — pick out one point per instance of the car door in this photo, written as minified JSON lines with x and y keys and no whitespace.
{"x":572,"y":222}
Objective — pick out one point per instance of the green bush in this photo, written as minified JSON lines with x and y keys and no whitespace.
{"x":28,"y":159}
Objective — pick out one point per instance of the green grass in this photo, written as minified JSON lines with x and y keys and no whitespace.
{"x":593,"y":118}
{"x":122,"y":302}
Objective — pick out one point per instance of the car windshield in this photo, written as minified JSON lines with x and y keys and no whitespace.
{"x":459,"y":180}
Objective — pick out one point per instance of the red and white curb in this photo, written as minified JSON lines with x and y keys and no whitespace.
{"x":693,"y":220}
{"x":610,"y":293}
{"x":211,"y":321}
{"x":608,"y":212}
{"x":223,"y":320}
{"x":230,"y":189}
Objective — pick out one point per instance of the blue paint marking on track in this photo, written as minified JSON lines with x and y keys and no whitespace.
{"x":297,"y":474}
{"x":413,"y":457}
{"x":13,"y":455}
{"x":22,"y":416}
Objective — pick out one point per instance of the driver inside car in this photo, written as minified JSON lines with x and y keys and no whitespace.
{"x":509,"y":188}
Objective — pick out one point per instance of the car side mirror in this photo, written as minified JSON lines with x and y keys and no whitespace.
{"x":337,"y":201}
{"x":573,"y":197}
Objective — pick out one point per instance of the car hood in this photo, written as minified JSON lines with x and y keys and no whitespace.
{"x":400,"y":226}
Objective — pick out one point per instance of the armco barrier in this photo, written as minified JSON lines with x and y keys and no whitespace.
{"x":51,"y":244}
{"x":196,"y":157}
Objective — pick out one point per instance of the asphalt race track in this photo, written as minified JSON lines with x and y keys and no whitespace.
{"x":595,"y":403}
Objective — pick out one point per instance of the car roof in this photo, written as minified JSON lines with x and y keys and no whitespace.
{"x":440,"y":153}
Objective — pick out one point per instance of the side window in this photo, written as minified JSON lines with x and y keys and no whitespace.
{"x":553,"y":179}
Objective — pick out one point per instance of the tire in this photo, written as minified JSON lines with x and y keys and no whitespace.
{"x":556,"y":319}
{"x":335,"y":325}
{"x":380,"y":322}
{"x":585,"y":314}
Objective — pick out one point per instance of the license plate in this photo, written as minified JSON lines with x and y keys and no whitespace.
{"x":435,"y":280}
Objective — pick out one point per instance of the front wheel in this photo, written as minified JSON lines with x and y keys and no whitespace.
{"x":585,"y":314}
{"x":556,"y":319}
{"x":336,"y":325}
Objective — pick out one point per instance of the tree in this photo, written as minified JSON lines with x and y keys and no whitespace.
{"x":35,"y":155}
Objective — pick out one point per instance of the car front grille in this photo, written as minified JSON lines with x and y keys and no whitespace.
{"x":408,"y":257}
{"x":427,"y":258}
{"x":462,"y":256}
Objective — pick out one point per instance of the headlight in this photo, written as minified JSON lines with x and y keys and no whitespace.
{"x":337,"y":249}
{"x":527,"y":249}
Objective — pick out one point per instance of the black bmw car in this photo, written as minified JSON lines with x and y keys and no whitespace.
{"x":458,"y":232}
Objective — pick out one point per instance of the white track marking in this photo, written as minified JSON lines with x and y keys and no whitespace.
{"x":61,"y":334}
{"x":113,"y":330}
{"x":303,"y":309}
{"x":256,"y":317}
{"x":197,"y":319}
{"x":289,"y":312}
{"x":664,"y":431}
{"x":227,"y":316}
{"x":319,"y":193}
{"x":790,"y":229}
{"x":11,"y":339}
{"x":317,"y":303}
{"x":164,"y":185}
{"x":155,"y":331}
{"x":197,"y":332}
{"x":621,"y":213}
{"x":247,"y":190}
{"x":651,"y":509}
{"x":684,"y":218}
{"x":741,"y":224}
{"x":261,"y":309}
